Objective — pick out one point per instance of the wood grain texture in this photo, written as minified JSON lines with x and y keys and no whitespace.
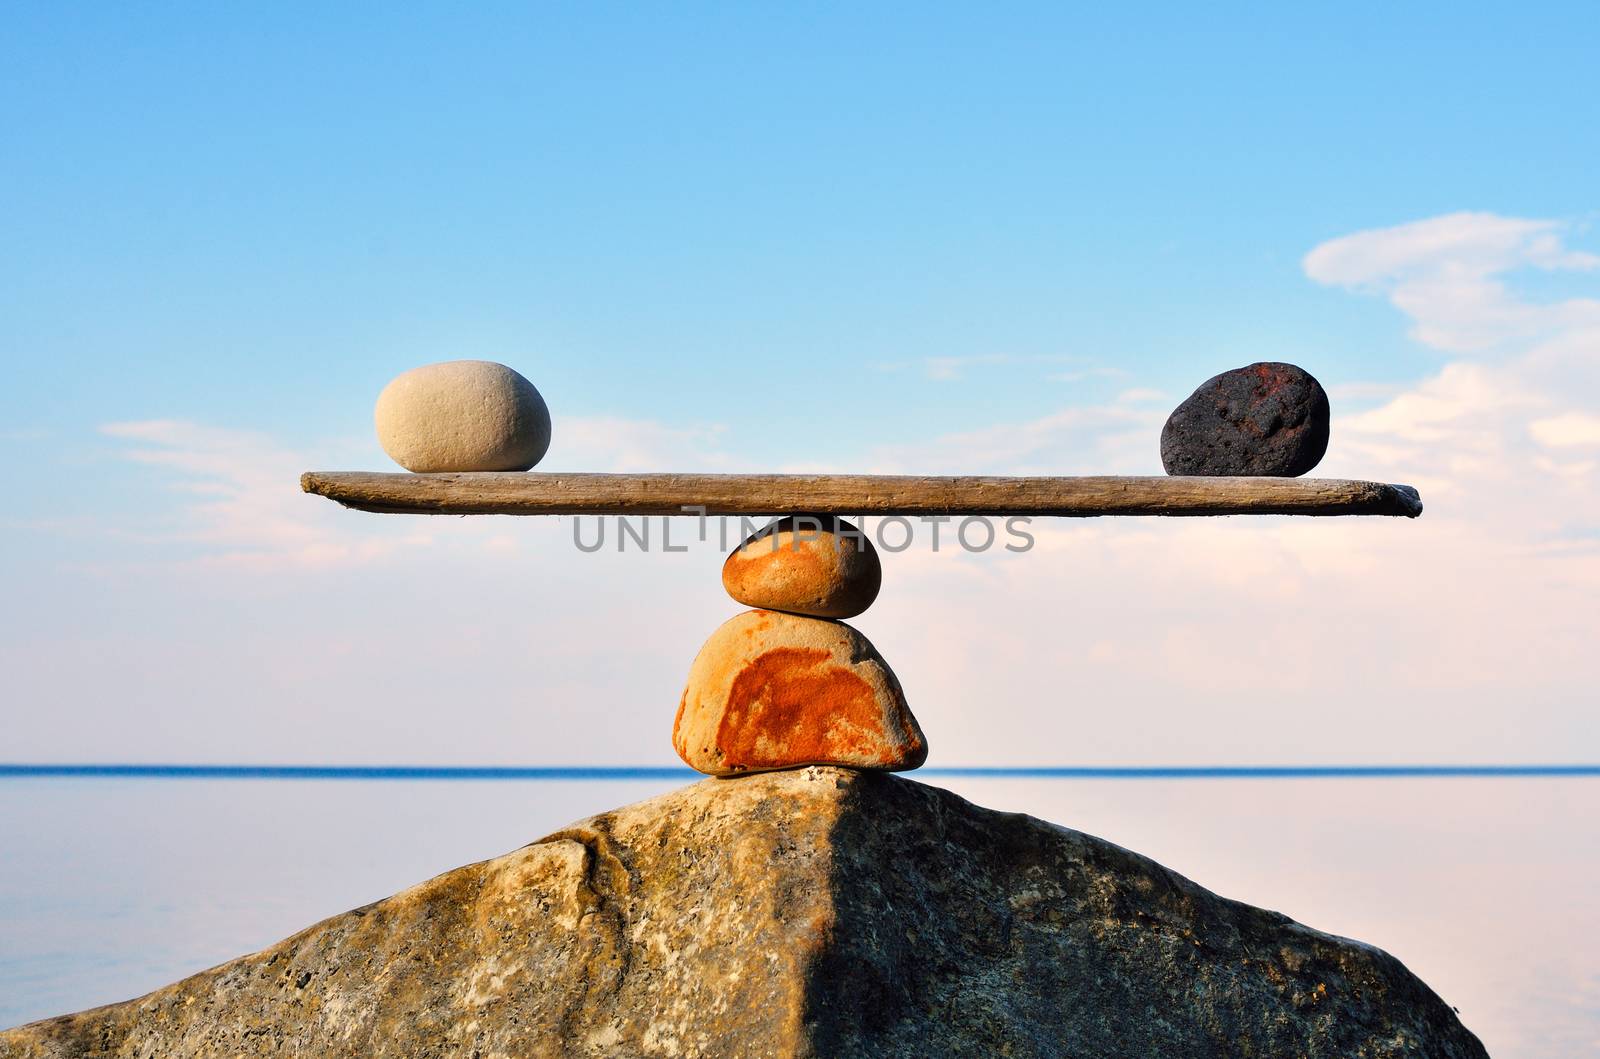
{"x":511,"y":493}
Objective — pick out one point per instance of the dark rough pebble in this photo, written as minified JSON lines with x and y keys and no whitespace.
{"x":1266,"y":419}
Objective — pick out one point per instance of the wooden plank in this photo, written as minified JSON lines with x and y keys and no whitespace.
{"x":512,"y":493}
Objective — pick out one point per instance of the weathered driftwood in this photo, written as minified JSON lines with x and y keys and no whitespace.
{"x":510,"y":493}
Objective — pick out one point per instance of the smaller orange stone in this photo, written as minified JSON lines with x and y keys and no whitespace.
{"x":816,"y":565}
{"x":773,"y":691}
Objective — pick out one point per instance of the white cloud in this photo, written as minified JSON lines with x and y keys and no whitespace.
{"x":242,"y":506}
{"x":1444,"y":273}
{"x":1461,"y":636}
{"x":1494,"y":434}
{"x":1569,"y":430}
{"x":948,"y":369}
{"x":1364,"y":391}
{"x":955,"y":368}
{"x":1461,"y":243}
{"x":1115,"y":438}
{"x":612,"y":443}
{"x":1086,"y":374}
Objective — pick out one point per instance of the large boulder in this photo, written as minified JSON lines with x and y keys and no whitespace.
{"x":817,"y":912}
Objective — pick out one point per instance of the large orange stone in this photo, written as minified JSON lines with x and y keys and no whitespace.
{"x":774,"y":691}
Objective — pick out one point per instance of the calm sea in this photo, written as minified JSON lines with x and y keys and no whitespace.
{"x":1487,"y":886}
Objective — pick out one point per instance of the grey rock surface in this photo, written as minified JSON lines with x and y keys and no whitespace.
{"x":820,"y":912}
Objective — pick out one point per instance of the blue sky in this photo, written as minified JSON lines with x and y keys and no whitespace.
{"x":912,"y":237}
{"x":256,"y":213}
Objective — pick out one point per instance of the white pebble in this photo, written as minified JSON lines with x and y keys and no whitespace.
{"x":463,"y":415}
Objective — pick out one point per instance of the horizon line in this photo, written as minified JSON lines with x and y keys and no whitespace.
{"x":652,"y":772}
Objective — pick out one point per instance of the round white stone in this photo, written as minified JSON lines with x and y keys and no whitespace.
{"x":463,"y":415}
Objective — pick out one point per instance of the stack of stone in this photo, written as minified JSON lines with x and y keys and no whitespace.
{"x":789,"y":684}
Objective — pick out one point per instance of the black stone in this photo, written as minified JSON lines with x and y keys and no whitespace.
{"x":1263,"y":420}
